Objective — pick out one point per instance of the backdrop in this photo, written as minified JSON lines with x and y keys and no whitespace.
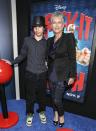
{"x":6,"y":47}
{"x":82,"y":15}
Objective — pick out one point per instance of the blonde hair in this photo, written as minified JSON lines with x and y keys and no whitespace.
{"x":57,"y":14}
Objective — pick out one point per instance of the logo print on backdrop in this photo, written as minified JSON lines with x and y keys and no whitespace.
{"x":60,"y":7}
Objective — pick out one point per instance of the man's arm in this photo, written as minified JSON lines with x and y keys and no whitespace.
{"x":23,"y":54}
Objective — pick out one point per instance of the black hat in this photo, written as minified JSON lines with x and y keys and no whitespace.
{"x":38,"y":21}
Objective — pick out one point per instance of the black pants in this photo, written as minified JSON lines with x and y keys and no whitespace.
{"x":57,"y":92}
{"x":35,"y":89}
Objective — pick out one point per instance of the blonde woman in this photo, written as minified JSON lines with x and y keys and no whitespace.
{"x":61,"y":64}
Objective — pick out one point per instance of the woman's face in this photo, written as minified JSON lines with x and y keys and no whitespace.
{"x":57,"y":25}
{"x":38,"y":31}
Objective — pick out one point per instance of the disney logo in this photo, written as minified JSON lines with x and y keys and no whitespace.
{"x":58,"y":7}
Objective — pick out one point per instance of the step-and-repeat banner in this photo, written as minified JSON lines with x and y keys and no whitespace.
{"x":6,"y":45}
{"x":79,"y":17}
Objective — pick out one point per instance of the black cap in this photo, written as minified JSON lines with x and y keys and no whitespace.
{"x":38,"y":21}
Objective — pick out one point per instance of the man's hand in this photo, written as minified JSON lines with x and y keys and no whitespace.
{"x":71,"y":81}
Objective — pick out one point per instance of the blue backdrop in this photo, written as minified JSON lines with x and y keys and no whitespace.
{"x":6,"y":45}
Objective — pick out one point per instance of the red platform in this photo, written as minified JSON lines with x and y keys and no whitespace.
{"x":10,"y":121}
{"x":64,"y":129}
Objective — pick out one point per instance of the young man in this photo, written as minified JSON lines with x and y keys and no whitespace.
{"x":61,"y":65}
{"x":34,"y":49}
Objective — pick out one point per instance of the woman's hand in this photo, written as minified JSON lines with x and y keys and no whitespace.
{"x":71,"y":81}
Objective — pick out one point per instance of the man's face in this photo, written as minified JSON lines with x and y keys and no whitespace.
{"x":57,"y":24}
{"x":38,"y":31}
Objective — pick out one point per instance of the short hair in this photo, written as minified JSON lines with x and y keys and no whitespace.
{"x":57,"y":14}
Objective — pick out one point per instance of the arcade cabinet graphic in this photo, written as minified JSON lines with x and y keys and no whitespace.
{"x":7,"y":119}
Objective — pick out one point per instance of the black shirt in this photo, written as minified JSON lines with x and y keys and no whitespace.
{"x":35,"y":51}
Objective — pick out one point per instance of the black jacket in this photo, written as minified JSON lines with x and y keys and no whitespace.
{"x":64,"y":57}
{"x":35,"y":52}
